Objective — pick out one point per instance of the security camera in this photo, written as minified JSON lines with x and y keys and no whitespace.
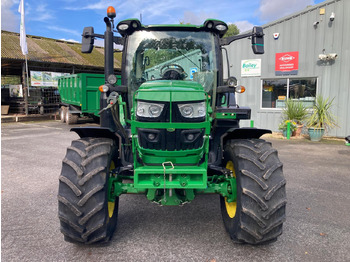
{"x":332,"y":17}
{"x":332,"y":56}
{"x":322,"y":57}
{"x":316,"y":23}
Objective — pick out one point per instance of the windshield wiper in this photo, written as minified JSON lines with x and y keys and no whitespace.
{"x":187,"y":58}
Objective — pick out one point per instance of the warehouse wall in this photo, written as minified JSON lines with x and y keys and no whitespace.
{"x":298,"y":33}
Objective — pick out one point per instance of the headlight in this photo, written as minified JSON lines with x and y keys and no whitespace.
{"x":193,"y":110}
{"x":112,"y":79}
{"x":145,"y":109}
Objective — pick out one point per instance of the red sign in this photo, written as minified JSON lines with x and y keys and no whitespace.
{"x":287,"y":63}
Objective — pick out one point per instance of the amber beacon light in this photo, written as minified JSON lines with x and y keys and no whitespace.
{"x":111,"y":12}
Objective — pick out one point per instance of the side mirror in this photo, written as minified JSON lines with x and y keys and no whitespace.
{"x":87,"y":41}
{"x":258,"y":40}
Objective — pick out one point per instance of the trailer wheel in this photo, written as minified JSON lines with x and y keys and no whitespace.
{"x":85,"y":214}
{"x":63,"y":114}
{"x":258,"y":214}
{"x":71,"y":118}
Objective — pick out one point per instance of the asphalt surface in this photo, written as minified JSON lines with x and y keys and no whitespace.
{"x":318,"y":209}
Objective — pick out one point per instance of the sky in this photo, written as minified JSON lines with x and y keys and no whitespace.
{"x":65,"y":19}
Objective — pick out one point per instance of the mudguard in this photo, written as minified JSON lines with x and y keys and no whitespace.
{"x":244,"y":133}
{"x":96,"y":132}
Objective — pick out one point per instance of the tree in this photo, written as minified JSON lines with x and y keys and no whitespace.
{"x":232,"y":30}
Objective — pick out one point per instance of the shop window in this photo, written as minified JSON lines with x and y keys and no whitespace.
{"x":276,"y":91}
{"x":273,"y":91}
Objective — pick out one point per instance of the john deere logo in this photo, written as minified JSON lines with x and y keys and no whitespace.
{"x":287,"y":58}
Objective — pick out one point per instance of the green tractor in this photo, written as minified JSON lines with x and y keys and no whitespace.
{"x":171,"y":131}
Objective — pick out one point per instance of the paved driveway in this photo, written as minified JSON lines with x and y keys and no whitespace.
{"x":318,"y":211}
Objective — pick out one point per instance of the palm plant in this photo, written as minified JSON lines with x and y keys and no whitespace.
{"x":322,"y":117}
{"x":294,"y":110}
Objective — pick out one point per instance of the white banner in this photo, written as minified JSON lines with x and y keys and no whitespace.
{"x":23,"y":40}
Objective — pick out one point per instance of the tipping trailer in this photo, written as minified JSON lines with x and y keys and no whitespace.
{"x":179,"y":136}
{"x":80,"y":96}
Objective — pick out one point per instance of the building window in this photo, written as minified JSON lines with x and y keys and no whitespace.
{"x":276,"y":91}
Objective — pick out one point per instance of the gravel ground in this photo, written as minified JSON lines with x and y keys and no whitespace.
{"x":318,"y":210}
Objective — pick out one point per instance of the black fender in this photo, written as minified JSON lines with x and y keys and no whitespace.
{"x":97,"y":132}
{"x":244,"y":133}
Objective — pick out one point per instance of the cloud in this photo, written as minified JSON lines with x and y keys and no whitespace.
{"x":196,"y":19}
{"x":100,"y":5}
{"x":271,"y":10}
{"x":152,"y":11}
{"x":69,"y":40}
{"x":244,"y":26}
{"x":9,"y":18}
{"x":65,"y":30}
{"x":41,"y":13}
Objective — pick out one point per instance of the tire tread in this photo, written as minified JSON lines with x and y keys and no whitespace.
{"x":261,"y":192}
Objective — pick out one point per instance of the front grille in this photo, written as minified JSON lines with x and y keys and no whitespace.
{"x":162,"y":139}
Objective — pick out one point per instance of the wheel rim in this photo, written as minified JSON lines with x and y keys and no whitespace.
{"x":67,"y":116}
{"x":111,"y":205}
{"x":62,"y":113}
{"x":231,"y":207}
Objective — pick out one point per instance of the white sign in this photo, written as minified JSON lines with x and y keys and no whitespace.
{"x":251,"y":67}
{"x":39,"y":78}
{"x":16,"y":91}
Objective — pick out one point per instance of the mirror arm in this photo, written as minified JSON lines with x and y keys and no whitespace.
{"x":93,"y":35}
{"x":230,"y":39}
{"x":117,"y":40}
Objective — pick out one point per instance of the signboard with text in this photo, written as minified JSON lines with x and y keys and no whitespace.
{"x":38,"y":78}
{"x":287,"y":63}
{"x":251,"y":67}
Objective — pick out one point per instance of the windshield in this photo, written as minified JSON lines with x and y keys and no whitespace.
{"x":171,"y":55}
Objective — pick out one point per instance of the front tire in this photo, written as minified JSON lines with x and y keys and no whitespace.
{"x":85,"y":214}
{"x":258,"y":214}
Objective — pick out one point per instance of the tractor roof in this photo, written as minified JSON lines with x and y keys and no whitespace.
{"x":127,"y":27}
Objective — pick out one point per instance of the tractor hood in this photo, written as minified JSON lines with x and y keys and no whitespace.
{"x":171,"y":91}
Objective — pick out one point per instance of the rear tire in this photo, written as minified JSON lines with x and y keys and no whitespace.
{"x":261,"y":195}
{"x":71,"y":118}
{"x":83,"y":207}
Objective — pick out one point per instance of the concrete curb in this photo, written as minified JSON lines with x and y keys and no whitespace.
{"x":24,"y":118}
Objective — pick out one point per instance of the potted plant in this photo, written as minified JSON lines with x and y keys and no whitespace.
{"x":321,"y":118}
{"x":284,"y":125}
{"x":296,"y":111}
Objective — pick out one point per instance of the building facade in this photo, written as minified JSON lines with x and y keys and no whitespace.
{"x":306,"y":54}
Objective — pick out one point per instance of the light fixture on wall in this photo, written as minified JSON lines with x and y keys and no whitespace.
{"x":328,"y":57}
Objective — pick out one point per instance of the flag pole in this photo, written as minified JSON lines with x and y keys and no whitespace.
{"x":27,"y":73}
{"x":27,"y":91}
{"x":24,"y":48}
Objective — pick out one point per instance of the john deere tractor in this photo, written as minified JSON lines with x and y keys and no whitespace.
{"x":171,"y":131}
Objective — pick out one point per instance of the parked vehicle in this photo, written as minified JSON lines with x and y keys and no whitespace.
{"x":179,"y":136}
{"x":80,"y":96}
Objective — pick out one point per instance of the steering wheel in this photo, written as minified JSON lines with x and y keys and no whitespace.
{"x":173,"y":72}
